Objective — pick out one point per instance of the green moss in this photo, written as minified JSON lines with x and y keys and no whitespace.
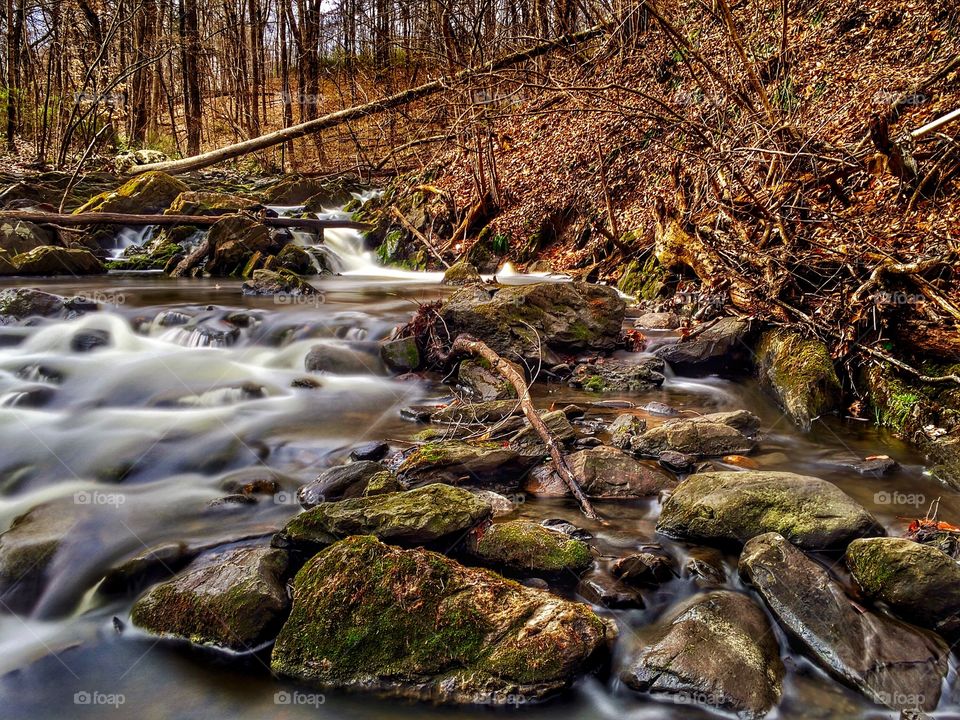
{"x":525,"y":545}
{"x":645,"y":280}
{"x":595,"y":383}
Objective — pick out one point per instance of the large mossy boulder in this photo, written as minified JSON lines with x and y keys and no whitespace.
{"x":483,"y":465}
{"x":415,"y":624}
{"x":236,"y":599}
{"x":412,"y":517}
{"x":712,"y":435}
{"x":209,"y":203}
{"x":919,"y":583}
{"x":20,"y":236}
{"x":799,"y":373}
{"x":719,"y":345}
{"x":732,"y":507}
{"x":523,"y":546}
{"x":524,"y":321}
{"x":146,"y":194}
{"x":55,"y":260}
{"x":22,"y":303}
{"x":603,"y":473}
{"x":231,"y":247}
{"x":716,"y":649}
{"x":892,"y":663}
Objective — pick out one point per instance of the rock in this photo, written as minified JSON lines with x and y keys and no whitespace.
{"x":320,"y":194}
{"x":128,"y":159}
{"x":528,"y":442}
{"x":479,"y":383}
{"x":22,"y":303}
{"x":235,"y":598}
{"x":515,"y":320}
{"x":415,"y":624}
{"x":719,"y":345}
{"x":20,"y":236}
{"x":462,"y":273}
{"x":413,"y":517}
{"x":523,"y":546}
{"x":650,"y":567}
{"x":374,"y":450}
{"x":658,"y":321}
{"x":659,"y":408}
{"x":875,"y":465}
{"x":567,"y":528}
{"x":919,"y":583}
{"x":6,"y":264}
{"x":232,"y":241}
{"x":715,"y":649}
{"x":210,"y":203}
{"x":799,"y":373}
{"x":296,"y":260}
{"x":598,"y":587}
{"x":483,"y":465}
{"x":891,"y":662}
{"x":603,"y":473}
{"x":277,"y":282}
{"x":500,"y":504}
{"x":26,"y":551}
{"x":146,"y":194}
{"x":338,"y":482}
{"x":89,"y":340}
{"x":480,"y":413}
{"x":54,"y":260}
{"x":614,"y":375}
{"x":146,"y":568}
{"x":712,"y":435}
{"x":340,"y":359}
{"x":676,"y":461}
{"x":736,"y":506}
{"x":382,"y":483}
{"x":624,"y":428}
{"x":400,"y":355}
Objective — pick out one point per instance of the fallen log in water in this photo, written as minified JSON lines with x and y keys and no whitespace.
{"x":196,"y":220}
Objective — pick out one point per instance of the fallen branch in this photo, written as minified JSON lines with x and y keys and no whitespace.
{"x":418,"y":235}
{"x":466,"y":345}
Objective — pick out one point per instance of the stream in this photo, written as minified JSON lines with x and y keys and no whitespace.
{"x":198,"y":387}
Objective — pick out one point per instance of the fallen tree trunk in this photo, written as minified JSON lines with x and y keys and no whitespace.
{"x":196,"y":220}
{"x":377,"y":106}
{"x":466,"y":345}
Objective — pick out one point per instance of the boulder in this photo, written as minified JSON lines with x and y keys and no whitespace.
{"x":22,"y":303}
{"x":413,"y":517}
{"x":892,"y":663}
{"x":146,"y":568}
{"x":624,"y":428}
{"x":657,"y":321}
{"x":338,"y":482}
{"x":20,"y":236}
{"x":124,"y":161}
{"x":712,"y":435}
{"x":232,"y":240}
{"x":618,"y":375}
{"x":318,"y":194}
{"x":599,"y":587}
{"x":715,"y":649}
{"x":295,"y":259}
{"x":483,"y":465}
{"x":461,"y":273}
{"x":652,"y":566}
{"x":603,"y":473}
{"x":415,"y":624}
{"x":799,"y":373}
{"x":401,"y":355}
{"x":523,"y":321}
{"x":732,"y":507}
{"x":340,"y":359}
{"x":279,"y":282}
{"x":527,"y":441}
{"x":55,"y":260}
{"x":478,"y":382}
{"x":919,"y":583}
{"x":382,"y":483}
{"x":235,"y":599}
{"x":713,"y":346}
{"x":210,"y":203}
{"x":524,"y":546}
{"x":146,"y":194}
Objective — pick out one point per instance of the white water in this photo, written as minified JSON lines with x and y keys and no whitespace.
{"x":129,"y":236}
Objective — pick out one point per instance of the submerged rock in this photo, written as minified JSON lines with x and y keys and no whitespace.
{"x":524,"y":321}
{"x":234,"y":599}
{"x":799,"y":373}
{"x":413,"y":517}
{"x":719,"y":345}
{"x":712,"y":435}
{"x":415,"y":624}
{"x":340,"y":359}
{"x":892,"y":663}
{"x":918,"y":582}
{"x":484,"y":465}
{"x":736,"y":506}
{"x":715,"y":649}
{"x":603,"y":473}
{"x":620,"y":376}
{"x":525,"y":546}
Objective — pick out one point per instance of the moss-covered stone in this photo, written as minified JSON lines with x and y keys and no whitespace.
{"x":415,"y":624}
{"x":523,"y":546}
{"x":381,"y":483}
{"x":622,"y":376}
{"x":18,"y":236}
{"x":733,"y":507}
{"x":156,"y":259}
{"x":400,"y":355}
{"x":602,"y":472}
{"x":477,"y":381}
{"x":234,"y":599}
{"x":20,"y":303}
{"x":799,"y":372}
{"x":643,"y":279}
{"x":146,"y":194}
{"x":297,"y":260}
{"x":711,"y":435}
{"x":414,"y":517}
{"x":484,"y":465}
{"x":461,"y":273}
{"x":54,"y":260}
{"x":209,"y":203}
{"x":282,"y":282}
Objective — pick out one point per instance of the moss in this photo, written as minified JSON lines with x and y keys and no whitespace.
{"x":645,"y":280}
{"x":595,"y":383}
{"x":151,"y":192}
{"x":525,"y":545}
{"x":155,"y":260}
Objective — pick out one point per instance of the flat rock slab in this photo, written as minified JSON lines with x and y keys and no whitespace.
{"x":713,"y":435}
{"x":892,"y":663}
{"x":715,"y":649}
{"x":415,"y":624}
{"x":732,"y":507}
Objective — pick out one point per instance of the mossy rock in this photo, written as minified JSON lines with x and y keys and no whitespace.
{"x":461,"y":273}
{"x":414,"y":624}
{"x":477,"y":381}
{"x":210,"y":203}
{"x":235,"y":599}
{"x":620,"y":376}
{"x":523,"y":546}
{"x":295,"y":259}
{"x":54,"y":260}
{"x":401,"y":355}
{"x":413,"y":517}
{"x":711,"y":435}
{"x":732,"y":507}
{"x":19,"y":236}
{"x":643,"y":279}
{"x":799,"y":373}
{"x":483,"y":465}
{"x":281,"y":283}
{"x":604,"y":473}
{"x":146,"y":194}
{"x":382,"y":483}
{"x":156,"y":259}
{"x":21,"y":303}
{"x":234,"y":239}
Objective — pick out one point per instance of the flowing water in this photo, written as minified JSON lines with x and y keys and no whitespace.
{"x":197,"y":386}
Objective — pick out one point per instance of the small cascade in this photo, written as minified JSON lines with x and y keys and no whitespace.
{"x":129,"y":236}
